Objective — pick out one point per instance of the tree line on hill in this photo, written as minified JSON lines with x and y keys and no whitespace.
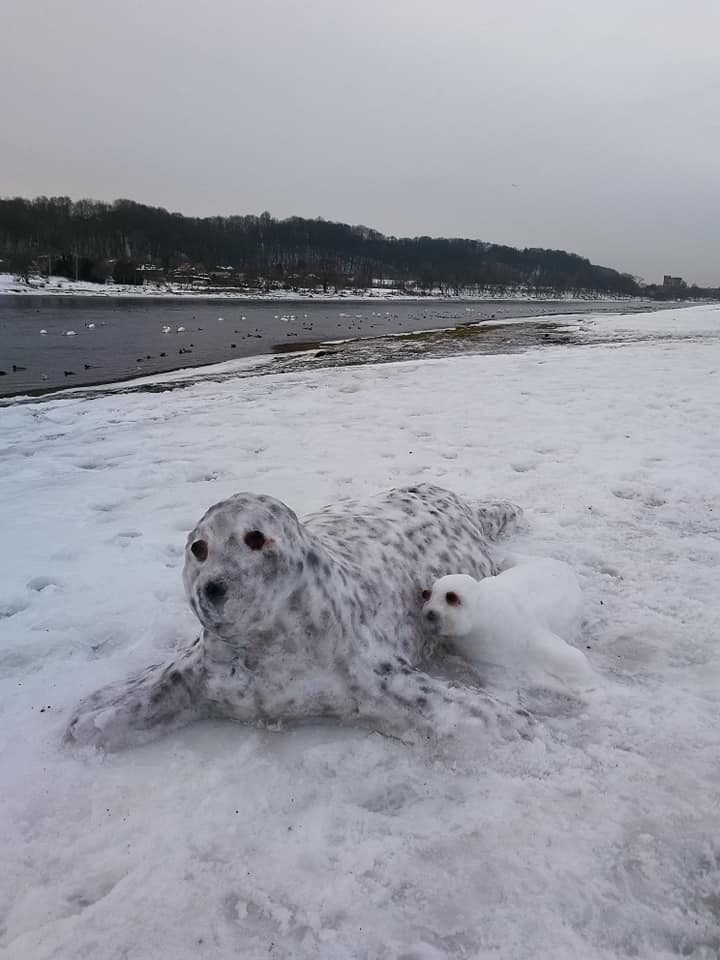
{"x":130,"y":242}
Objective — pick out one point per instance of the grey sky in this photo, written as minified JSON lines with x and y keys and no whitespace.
{"x":589,"y":126}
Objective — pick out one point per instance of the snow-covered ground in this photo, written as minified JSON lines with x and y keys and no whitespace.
{"x":701,"y":321}
{"x":597,"y":838}
{"x":61,"y":286}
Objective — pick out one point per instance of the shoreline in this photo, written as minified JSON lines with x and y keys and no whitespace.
{"x":189,"y":373}
{"x":60,"y":287}
{"x":263,"y":363}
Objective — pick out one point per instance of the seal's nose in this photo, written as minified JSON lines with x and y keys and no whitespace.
{"x":431,"y":616}
{"x":215,"y":590}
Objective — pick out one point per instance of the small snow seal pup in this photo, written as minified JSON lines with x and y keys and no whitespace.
{"x":517,"y":620}
{"x":313,"y":619}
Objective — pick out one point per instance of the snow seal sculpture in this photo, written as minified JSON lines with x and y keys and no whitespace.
{"x":314,"y":619}
{"x":520,"y":620}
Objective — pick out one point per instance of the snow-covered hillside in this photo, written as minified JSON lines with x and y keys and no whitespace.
{"x":596,"y":839}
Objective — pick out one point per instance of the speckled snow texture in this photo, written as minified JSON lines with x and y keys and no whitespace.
{"x":313,"y":619}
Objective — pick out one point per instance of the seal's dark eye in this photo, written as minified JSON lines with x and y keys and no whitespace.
{"x":255,"y":539}
{"x":199,"y":550}
{"x":452,"y":598}
{"x":426,"y":594}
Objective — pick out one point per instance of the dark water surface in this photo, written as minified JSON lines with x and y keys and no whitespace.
{"x":126,"y":338}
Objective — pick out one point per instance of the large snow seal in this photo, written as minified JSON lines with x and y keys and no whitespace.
{"x":313,"y":619}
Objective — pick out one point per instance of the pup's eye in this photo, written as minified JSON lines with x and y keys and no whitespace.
{"x":452,"y":598}
{"x":426,"y":594}
{"x":199,"y":550}
{"x":255,"y":539}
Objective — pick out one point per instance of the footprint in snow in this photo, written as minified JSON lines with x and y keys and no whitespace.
{"x":8,"y":608}
{"x":124,"y":538}
{"x":107,"y":507}
{"x":93,"y":891}
{"x":40,"y":583}
{"x":204,"y":476}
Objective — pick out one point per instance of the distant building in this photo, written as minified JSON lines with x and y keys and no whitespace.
{"x":669,"y":281}
{"x":149,"y":271}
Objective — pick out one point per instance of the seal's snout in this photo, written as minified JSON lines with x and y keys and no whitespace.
{"x":431,"y":616}
{"x":215,"y":591}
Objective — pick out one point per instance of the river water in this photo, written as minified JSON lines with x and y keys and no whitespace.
{"x":88,"y":341}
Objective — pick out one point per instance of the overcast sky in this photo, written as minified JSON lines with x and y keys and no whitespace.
{"x":584,"y":125}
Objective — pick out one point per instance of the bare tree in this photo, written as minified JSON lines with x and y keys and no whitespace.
{"x":20,"y":264}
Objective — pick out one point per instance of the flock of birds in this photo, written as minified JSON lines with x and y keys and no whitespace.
{"x":301,"y":324}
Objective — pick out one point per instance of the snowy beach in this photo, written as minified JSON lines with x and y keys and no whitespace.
{"x":596,"y":838}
